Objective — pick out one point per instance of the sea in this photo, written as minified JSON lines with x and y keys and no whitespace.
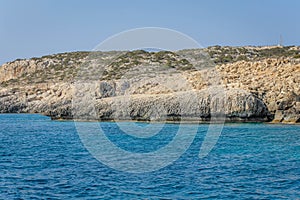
{"x":45,"y":159}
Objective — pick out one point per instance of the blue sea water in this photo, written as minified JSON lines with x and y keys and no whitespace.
{"x":44,"y":159}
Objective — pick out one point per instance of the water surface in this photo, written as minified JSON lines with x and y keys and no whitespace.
{"x":43,"y":159}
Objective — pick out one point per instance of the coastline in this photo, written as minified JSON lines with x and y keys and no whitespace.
{"x":158,"y":121}
{"x":259,"y":84}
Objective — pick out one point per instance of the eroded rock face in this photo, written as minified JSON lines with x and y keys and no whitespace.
{"x":233,"y":105}
{"x":257,"y":90}
{"x":274,"y":81}
{"x":237,"y":105}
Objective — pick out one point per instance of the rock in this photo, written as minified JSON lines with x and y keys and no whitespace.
{"x":187,"y":106}
{"x":278,"y":116}
{"x":107,"y":89}
{"x":257,"y":88}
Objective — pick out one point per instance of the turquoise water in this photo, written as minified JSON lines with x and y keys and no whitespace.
{"x":43,"y":159}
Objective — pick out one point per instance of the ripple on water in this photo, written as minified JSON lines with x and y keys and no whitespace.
{"x":41,"y":159}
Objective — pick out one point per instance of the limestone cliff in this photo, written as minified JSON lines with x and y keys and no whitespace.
{"x":239,"y":83}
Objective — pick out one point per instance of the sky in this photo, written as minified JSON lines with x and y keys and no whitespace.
{"x":34,"y":28}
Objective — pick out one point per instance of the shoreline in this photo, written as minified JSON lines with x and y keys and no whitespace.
{"x":159,"y":121}
{"x":260,"y":88}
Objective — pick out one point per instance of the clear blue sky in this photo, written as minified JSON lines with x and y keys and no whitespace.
{"x":39,"y":27}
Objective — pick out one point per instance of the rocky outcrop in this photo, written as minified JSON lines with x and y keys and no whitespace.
{"x":168,"y":86}
{"x":274,"y":81}
{"x":204,"y":105}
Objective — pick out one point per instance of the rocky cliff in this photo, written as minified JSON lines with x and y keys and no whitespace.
{"x":222,"y":83}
